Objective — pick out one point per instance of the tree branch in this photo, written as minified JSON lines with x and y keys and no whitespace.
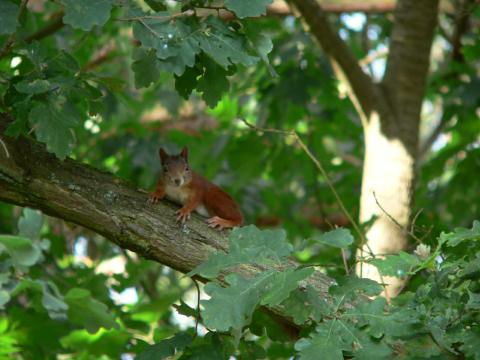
{"x":461,"y":27}
{"x":361,"y":84}
{"x":407,"y":64}
{"x":281,"y":8}
{"x":367,"y":6}
{"x":425,"y":146}
{"x":54,"y":26}
{"x":100,"y":56}
{"x":109,"y":206}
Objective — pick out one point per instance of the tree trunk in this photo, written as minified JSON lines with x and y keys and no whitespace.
{"x":390,"y":114}
{"x":387,"y":188}
{"x":391,"y":139}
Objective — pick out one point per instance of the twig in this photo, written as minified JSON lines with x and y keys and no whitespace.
{"x":212,"y":7}
{"x":153,"y":17}
{"x":150,"y":29}
{"x":34,"y":128}
{"x":345,"y":264}
{"x":403,"y":286}
{"x":365,"y":41}
{"x":351,"y":159}
{"x":51,"y":28}
{"x":444,"y":33}
{"x":412,"y":227}
{"x":380,"y":53}
{"x":198,"y":307}
{"x":100,"y":57}
{"x":405,"y":231}
{"x":316,"y":187}
{"x":427,"y":233}
{"x":437,"y":131}
{"x":8,"y":46}
{"x":461,"y":27}
{"x":5,"y":148}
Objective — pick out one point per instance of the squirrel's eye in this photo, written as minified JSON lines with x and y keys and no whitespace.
{"x":165,"y":169}
{"x":187,"y":168}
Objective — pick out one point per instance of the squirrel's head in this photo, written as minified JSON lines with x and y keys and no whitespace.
{"x":176,"y":170}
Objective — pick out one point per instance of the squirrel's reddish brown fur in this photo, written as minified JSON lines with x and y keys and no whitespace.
{"x":185,"y":187}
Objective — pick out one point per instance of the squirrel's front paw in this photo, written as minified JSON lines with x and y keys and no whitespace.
{"x":153,"y":198}
{"x":183,"y":215}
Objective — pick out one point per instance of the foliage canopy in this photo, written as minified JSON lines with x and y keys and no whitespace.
{"x":117,"y":79}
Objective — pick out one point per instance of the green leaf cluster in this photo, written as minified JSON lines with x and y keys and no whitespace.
{"x":53,"y":94}
{"x":349,"y":322}
{"x":201,"y":54}
{"x":21,"y":282}
{"x":232,"y":307}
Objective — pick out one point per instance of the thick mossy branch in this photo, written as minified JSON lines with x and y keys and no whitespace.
{"x":78,"y":193}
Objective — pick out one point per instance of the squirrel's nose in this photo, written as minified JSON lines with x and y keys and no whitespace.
{"x":177,"y":181}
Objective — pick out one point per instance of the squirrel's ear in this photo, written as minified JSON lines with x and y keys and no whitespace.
{"x":163,"y":155}
{"x":184,"y":153}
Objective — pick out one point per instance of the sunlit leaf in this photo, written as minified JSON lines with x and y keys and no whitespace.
{"x":21,"y":249}
{"x":53,"y":301}
{"x":30,"y":224}
{"x":341,"y":238}
{"x":4,"y":298}
{"x":46,"y":293}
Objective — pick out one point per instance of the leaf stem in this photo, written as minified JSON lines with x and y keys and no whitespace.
{"x":197,"y":320}
{"x":154,"y":17}
{"x":405,"y":231}
{"x":5,"y":148}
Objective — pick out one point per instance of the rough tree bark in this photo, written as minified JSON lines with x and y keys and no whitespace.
{"x":74,"y":192}
{"x":390,"y":113}
{"x":391,"y":151}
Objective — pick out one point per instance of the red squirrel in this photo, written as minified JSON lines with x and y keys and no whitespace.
{"x":185,"y":187}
